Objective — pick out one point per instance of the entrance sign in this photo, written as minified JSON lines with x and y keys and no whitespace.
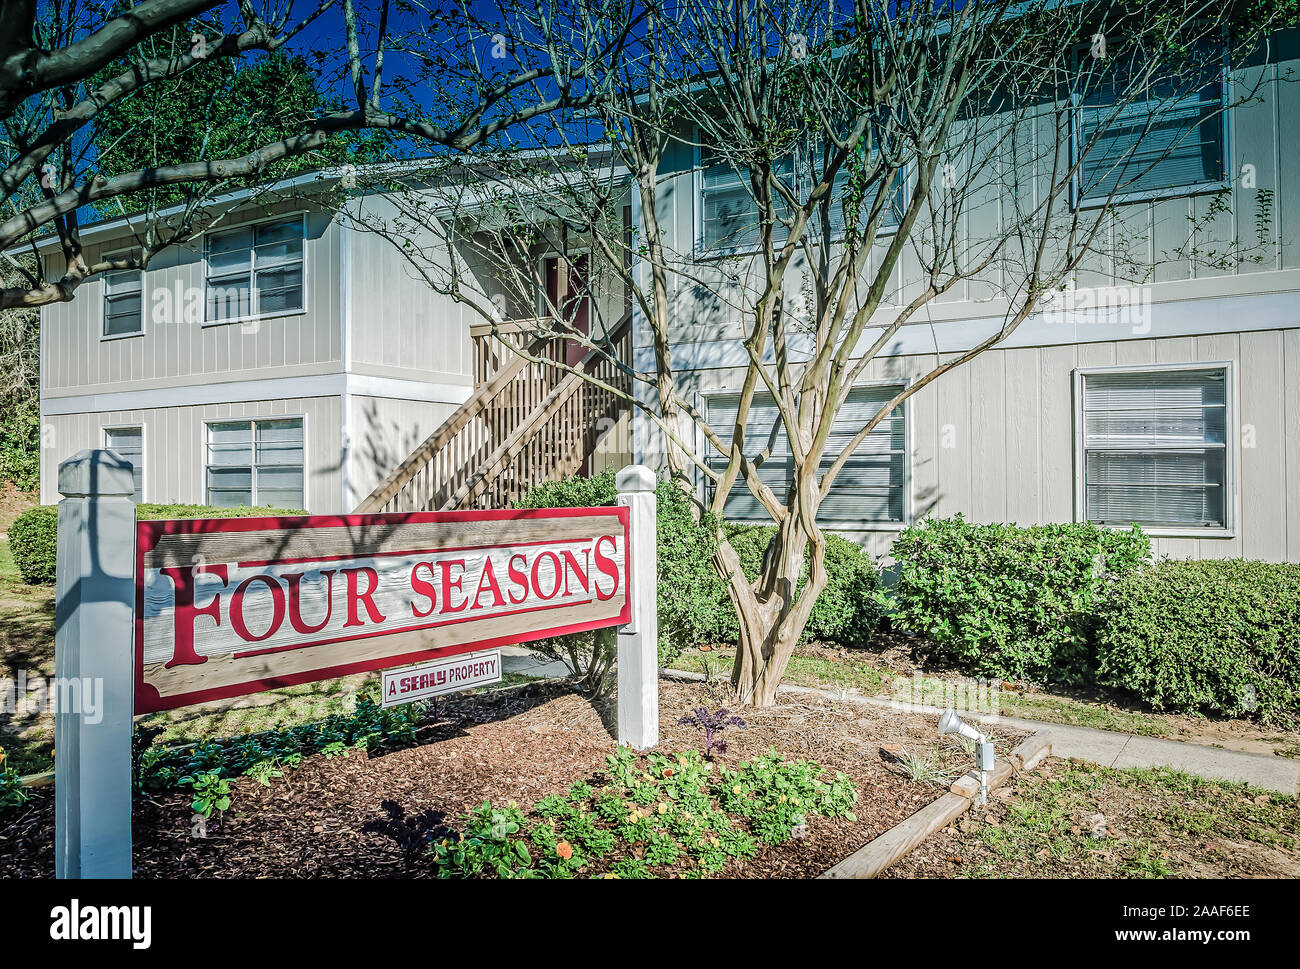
{"x":226,"y":607}
{"x":169,"y":613}
{"x":448,"y":675}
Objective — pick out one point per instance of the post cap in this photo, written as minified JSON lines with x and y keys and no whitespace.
{"x":96,"y":473}
{"x":635,"y":477}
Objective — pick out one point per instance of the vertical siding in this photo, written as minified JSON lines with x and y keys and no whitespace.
{"x":174,"y":440}
{"x":176,"y":349}
{"x":995,"y":439}
{"x":384,"y":432}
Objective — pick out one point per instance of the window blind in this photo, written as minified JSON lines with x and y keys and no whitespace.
{"x":1161,"y":139}
{"x":255,"y":463}
{"x":1155,"y":449}
{"x":129,"y":443}
{"x":869,"y":488}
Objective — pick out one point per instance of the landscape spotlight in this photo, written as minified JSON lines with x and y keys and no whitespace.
{"x":951,"y":723}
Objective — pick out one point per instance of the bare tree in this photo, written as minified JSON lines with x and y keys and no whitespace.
{"x":970,"y":146}
{"x":432,"y":77}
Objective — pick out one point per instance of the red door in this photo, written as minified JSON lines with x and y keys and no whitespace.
{"x":574,"y":305}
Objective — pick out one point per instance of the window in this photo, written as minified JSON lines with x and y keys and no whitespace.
{"x":895,"y":205}
{"x":255,"y":270}
{"x":255,"y":463}
{"x":1164,"y":138}
{"x":123,"y":303}
{"x":728,"y":212}
{"x":870,"y":488}
{"x":729,"y":215}
{"x":128,"y":442}
{"x":1154,"y":448}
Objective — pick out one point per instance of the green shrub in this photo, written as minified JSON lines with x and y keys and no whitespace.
{"x":33,"y":542}
{"x":1218,"y":636}
{"x":33,"y":537}
{"x":1010,"y":601}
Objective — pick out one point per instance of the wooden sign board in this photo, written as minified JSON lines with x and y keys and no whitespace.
{"x":227,"y":607}
{"x":449,"y":675}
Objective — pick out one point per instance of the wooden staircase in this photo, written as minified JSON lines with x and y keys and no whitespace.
{"x":531,"y":421}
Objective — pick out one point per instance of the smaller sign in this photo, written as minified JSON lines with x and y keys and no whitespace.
{"x":449,"y":675}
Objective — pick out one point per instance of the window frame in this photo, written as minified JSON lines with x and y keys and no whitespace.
{"x":701,"y":402}
{"x":104,"y":294}
{"x":254,"y":420}
{"x":705,"y":253}
{"x":255,"y":298}
{"x":1079,"y":201}
{"x":1229,"y":527}
{"x":143,"y":428}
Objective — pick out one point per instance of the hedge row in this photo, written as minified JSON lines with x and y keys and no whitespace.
{"x":1219,"y":636}
{"x":1071,"y":604}
{"x":1007,"y":601}
{"x":33,"y":537}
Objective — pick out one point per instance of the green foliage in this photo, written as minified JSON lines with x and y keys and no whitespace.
{"x":20,"y":442}
{"x":12,"y":793}
{"x":211,"y":792}
{"x":264,"y":757}
{"x":224,"y":108}
{"x":1219,"y":636}
{"x":694,"y":606}
{"x":643,"y":814}
{"x":33,"y":542}
{"x":33,"y":537}
{"x":1009,"y":601}
{"x":777,"y":795}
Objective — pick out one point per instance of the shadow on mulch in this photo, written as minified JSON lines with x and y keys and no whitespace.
{"x":359,"y":816}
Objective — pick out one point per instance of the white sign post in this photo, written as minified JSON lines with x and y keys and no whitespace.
{"x":95,"y":598}
{"x":638,"y":639}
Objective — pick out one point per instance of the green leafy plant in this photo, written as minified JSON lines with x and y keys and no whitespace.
{"x":211,"y":792}
{"x":264,"y":771}
{"x":12,"y":793}
{"x":1007,"y":601}
{"x":1217,"y":636}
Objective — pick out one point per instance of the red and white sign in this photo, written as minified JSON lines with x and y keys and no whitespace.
{"x":443,"y":676}
{"x":226,"y":607}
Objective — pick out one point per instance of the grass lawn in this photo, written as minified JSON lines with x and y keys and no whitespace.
{"x":1075,"y":820}
{"x":865,"y":671}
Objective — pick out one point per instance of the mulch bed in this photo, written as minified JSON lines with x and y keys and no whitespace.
{"x":372,"y":817}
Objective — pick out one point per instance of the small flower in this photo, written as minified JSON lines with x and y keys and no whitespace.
{"x":781,"y":799}
{"x":663,"y":808}
{"x":669,"y":772}
{"x":564,"y":850}
{"x":735,"y":789}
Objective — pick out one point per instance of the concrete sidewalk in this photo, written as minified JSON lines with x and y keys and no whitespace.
{"x":1113,"y":749}
{"x":517,"y":659}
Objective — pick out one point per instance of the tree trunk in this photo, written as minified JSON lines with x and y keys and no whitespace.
{"x":771,"y":616}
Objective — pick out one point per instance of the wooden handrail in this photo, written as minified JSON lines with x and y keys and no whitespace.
{"x":531,"y":422}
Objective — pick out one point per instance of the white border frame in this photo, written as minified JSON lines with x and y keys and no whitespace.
{"x":203,"y":453}
{"x":701,"y":402}
{"x":103,"y":298}
{"x":1229,"y":529}
{"x":301,"y":214}
{"x":144,"y":450}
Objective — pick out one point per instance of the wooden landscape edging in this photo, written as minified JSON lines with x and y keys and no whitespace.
{"x":875,"y":856}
